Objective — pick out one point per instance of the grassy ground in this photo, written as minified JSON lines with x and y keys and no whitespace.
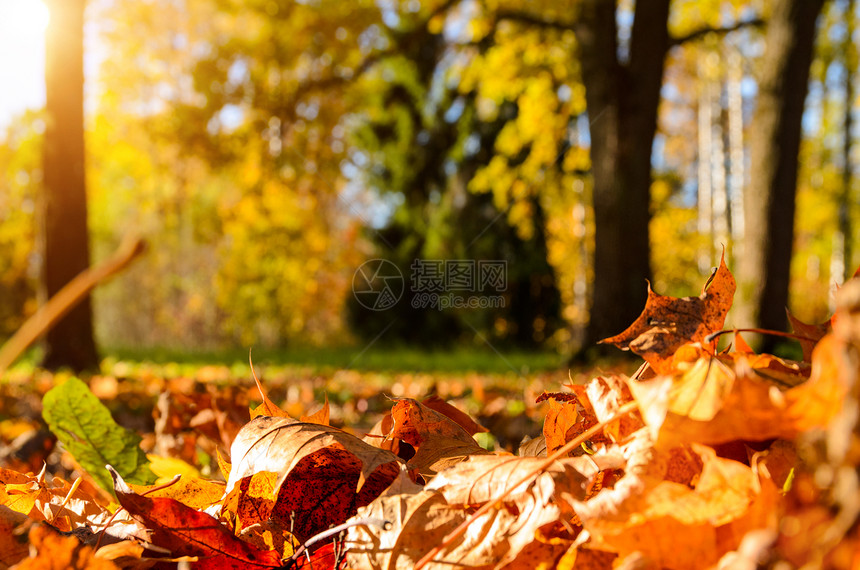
{"x":359,"y":358}
{"x":499,"y":388}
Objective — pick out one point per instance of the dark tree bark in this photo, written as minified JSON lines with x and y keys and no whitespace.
{"x":849,"y":57}
{"x":622,"y":100}
{"x":63,"y":229}
{"x":769,"y":203}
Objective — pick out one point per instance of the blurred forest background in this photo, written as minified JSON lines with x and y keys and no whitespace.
{"x":267,"y":148}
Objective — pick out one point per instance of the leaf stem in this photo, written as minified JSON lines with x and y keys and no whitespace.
{"x":711,"y":337}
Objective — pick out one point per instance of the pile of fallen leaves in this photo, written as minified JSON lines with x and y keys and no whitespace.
{"x":702,"y":458}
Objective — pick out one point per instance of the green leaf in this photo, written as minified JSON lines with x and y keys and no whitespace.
{"x":85,"y":427}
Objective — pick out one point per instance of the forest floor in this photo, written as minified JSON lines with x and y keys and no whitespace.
{"x":498,"y":389}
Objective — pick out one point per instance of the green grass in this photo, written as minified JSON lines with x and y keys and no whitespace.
{"x":356,"y":358}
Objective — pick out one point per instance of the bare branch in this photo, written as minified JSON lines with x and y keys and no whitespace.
{"x":702,"y":32}
{"x":534,"y":20}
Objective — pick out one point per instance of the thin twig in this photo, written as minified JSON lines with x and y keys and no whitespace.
{"x":714,"y":335}
{"x":365,"y":521}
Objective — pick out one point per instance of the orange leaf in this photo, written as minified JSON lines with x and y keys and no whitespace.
{"x":742,"y":346}
{"x":320,"y":417}
{"x":813,"y":332}
{"x":560,"y":419}
{"x":670,"y":322}
{"x":461,"y":418}
{"x":439,"y":442}
{"x":57,"y":552}
{"x":676,"y":526}
{"x":268,"y":407}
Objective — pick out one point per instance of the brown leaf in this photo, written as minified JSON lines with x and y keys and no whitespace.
{"x":419,"y":521}
{"x":461,"y":418}
{"x":535,"y":447}
{"x":605,"y":396}
{"x":279,"y":444}
{"x":667,"y":323}
{"x":481,"y":479}
{"x":184,"y":531}
{"x":62,"y":505}
{"x":57,"y":552}
{"x":813,"y":334}
{"x":12,"y":546}
{"x":439,"y":442}
{"x":679,"y":527}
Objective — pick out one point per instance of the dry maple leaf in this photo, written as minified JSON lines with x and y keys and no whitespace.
{"x":460,"y":417}
{"x":308,"y":476}
{"x":184,"y":531}
{"x":439,"y":441}
{"x":674,"y":525}
{"x":812,"y":334}
{"x":194,"y":492}
{"x":735,"y":396}
{"x":279,"y":444}
{"x":667,"y":323}
{"x":509,"y":536}
{"x":561,"y":424}
{"x":57,"y":552}
{"x":320,"y":492}
{"x":65,"y":506}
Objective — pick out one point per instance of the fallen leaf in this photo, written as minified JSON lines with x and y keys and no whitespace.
{"x":193,"y":492}
{"x":560,"y":424}
{"x":279,"y":444}
{"x":420,"y":520}
{"x":13,"y":546}
{"x":439,"y":442}
{"x":460,"y":417}
{"x":85,"y":427}
{"x":667,"y":323}
{"x":57,"y":552}
{"x":677,"y":526}
{"x":813,"y":334}
{"x":184,"y":531}
{"x":319,"y":417}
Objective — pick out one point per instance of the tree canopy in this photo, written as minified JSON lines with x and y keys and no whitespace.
{"x":267,"y":149}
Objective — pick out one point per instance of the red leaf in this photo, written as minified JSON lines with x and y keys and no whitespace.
{"x":186,"y":532}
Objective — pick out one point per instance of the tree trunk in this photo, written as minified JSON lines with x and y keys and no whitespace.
{"x":622,"y":100}
{"x":849,"y":56}
{"x":775,"y":132}
{"x":63,"y":229}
